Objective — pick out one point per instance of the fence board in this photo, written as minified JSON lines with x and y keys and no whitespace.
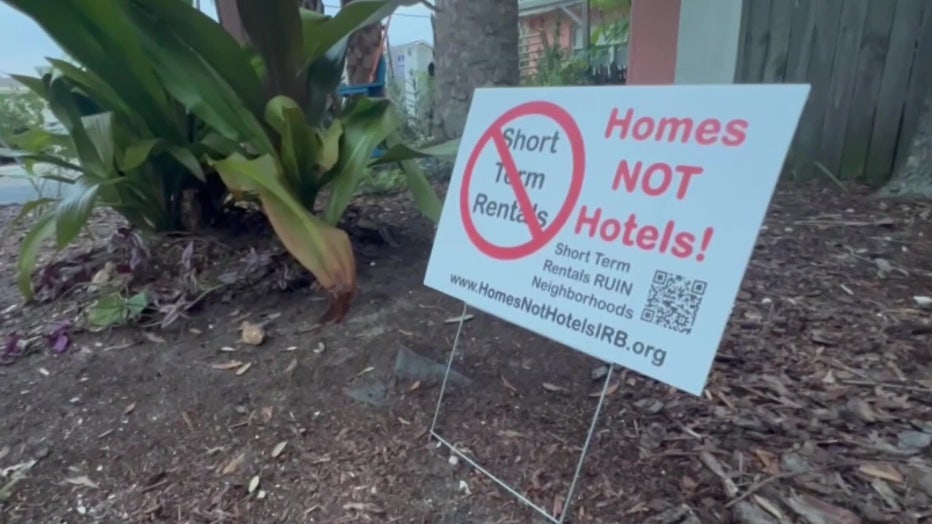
{"x":893,"y":88}
{"x":801,"y":35}
{"x":781,"y":24}
{"x":868,"y":64}
{"x":819,"y":75}
{"x":871,"y":56}
{"x":756,"y":40}
{"x":919,"y":84}
{"x":843,"y":78}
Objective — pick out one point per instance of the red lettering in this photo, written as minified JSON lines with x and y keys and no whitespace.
{"x":671,"y":127}
{"x":708,"y":132}
{"x":688,"y":173}
{"x":667,"y":236}
{"x":683,"y":245}
{"x":610,"y":229}
{"x":622,"y":124}
{"x":735,"y":133}
{"x":665,"y":180}
{"x":652,"y":185}
{"x":587,"y":221}
{"x":631,"y":226}
{"x":646,"y":237}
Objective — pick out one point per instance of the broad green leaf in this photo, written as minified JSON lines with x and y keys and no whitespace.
{"x":199,"y":88}
{"x":366,"y":124}
{"x":100,"y":131}
{"x":330,"y":146}
{"x":73,"y":211}
{"x":62,"y":105}
{"x":324,"y":250}
{"x":186,"y":158}
{"x":36,"y":85}
{"x":351,"y":17}
{"x":323,"y":74}
{"x":101,"y":37}
{"x":108,"y":311}
{"x":399,"y":152}
{"x":297,"y":150}
{"x":425,"y":198}
{"x":39,"y":157}
{"x":136,"y":305}
{"x":136,"y":154}
{"x":24,"y":210}
{"x":214,"y":44}
{"x":274,"y":29}
{"x":42,"y":229}
{"x":95,"y":88}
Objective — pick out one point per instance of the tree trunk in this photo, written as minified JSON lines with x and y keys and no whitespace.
{"x":913,"y":178}
{"x":476,"y":45}
{"x":362,"y":53}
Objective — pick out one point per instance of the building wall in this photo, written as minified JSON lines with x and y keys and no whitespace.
{"x":409,"y":72}
{"x":540,"y":28}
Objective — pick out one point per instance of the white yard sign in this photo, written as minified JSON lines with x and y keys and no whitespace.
{"x":616,"y":220}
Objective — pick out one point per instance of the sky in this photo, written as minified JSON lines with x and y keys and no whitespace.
{"x":28,"y":45}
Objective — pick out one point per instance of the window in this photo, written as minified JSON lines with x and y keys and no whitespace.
{"x":578,"y":37}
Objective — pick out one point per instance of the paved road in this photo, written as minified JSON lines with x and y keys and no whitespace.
{"x":19,"y":190}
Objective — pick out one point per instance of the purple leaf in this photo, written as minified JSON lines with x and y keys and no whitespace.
{"x":60,"y":338}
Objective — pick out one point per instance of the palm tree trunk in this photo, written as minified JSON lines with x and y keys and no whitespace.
{"x":476,"y":45}
{"x":362,"y":53}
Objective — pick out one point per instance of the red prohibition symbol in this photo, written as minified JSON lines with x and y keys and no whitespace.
{"x":540,"y":236}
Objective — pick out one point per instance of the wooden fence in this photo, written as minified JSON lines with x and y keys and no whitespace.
{"x":869,"y":63}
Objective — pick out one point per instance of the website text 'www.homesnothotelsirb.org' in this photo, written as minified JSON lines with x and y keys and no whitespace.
{"x":580,"y":324}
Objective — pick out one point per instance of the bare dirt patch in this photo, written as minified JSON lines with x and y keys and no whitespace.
{"x":819,"y":405}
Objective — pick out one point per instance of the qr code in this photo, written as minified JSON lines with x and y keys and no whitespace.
{"x":673,"y":302}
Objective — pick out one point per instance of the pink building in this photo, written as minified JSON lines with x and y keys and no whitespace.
{"x":560,"y":22}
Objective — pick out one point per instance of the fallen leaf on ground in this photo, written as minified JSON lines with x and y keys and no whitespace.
{"x":233,"y":464}
{"x":417,"y":384}
{"x":82,"y":480}
{"x":129,"y":409}
{"x":321,"y":347}
{"x":611,"y":389}
{"x":244,"y":368}
{"x":253,"y":484}
{"x":365,"y":507}
{"x":252,"y":334}
{"x":553,"y":387}
{"x":508,"y":385}
{"x":461,"y":318}
{"x":291,"y":366}
{"x":226,"y":366}
{"x":881,"y":471}
{"x":227,"y":349}
{"x":816,"y":511}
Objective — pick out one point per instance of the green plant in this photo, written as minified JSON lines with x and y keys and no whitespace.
{"x":19,"y":112}
{"x":261,"y":116}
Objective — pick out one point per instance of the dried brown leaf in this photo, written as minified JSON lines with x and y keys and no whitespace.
{"x":291,"y":366}
{"x":768,"y":460}
{"x":129,"y":409}
{"x":716,"y":467}
{"x":553,"y":387}
{"x":234,"y":464}
{"x":253,"y":484}
{"x":508,"y":385}
{"x":277,"y":450}
{"x":414,"y":386}
{"x":815,"y":511}
{"x":611,"y":389}
{"x":882,"y":471}
{"x":244,"y":368}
